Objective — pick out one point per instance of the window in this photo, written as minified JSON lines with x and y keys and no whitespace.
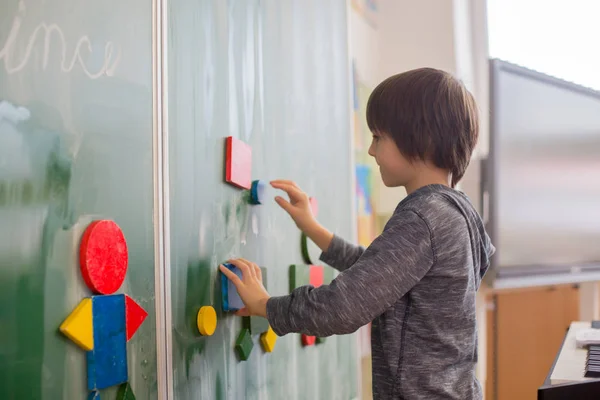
{"x":557,"y":37}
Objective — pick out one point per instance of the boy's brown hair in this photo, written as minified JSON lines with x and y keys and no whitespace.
{"x":430,"y":115}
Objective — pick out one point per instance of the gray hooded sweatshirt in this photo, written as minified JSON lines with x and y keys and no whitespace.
{"x":417,"y":284}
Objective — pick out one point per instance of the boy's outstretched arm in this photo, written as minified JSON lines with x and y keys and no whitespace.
{"x":387,"y":270}
{"x":341,"y":254}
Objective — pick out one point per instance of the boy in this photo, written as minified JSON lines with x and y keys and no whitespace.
{"x":416,"y":282}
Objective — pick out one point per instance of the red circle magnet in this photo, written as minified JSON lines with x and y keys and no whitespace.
{"x":103,"y":256}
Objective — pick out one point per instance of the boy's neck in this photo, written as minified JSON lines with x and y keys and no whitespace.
{"x":428,"y":176}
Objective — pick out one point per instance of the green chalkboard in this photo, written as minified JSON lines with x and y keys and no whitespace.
{"x":75,"y":145}
{"x":274,"y":74}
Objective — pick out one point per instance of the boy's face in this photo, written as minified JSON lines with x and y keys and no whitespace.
{"x":395,"y":169}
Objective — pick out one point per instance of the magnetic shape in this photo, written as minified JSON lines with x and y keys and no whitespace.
{"x":107,"y":362}
{"x":103,"y":257}
{"x":256,"y":325}
{"x":268,"y":340}
{"x":314,"y":205}
{"x":134,"y":316}
{"x":310,"y":251}
{"x":231,"y":300}
{"x":224,"y":293}
{"x":93,"y":395}
{"x":328,"y":275}
{"x":78,"y":326}
{"x":207,"y":320}
{"x":308,"y":340}
{"x":320,"y":340}
{"x":238,"y":163}
{"x":257,"y":192}
{"x":244,"y":345}
{"x":125,"y":392}
{"x":316,"y":275}
{"x":299,"y":276}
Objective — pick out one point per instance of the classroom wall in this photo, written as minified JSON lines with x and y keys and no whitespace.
{"x":449,"y":35}
{"x":363,"y":52}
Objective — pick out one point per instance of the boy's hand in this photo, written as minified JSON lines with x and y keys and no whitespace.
{"x":299,"y":205}
{"x":250,"y":287}
{"x":299,"y":209}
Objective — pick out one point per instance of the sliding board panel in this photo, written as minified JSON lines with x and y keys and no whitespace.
{"x":75,"y":146}
{"x":275,"y":75}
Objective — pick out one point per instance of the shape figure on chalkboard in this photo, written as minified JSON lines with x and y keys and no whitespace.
{"x":207,"y":321}
{"x":268,"y":340}
{"x":107,"y":361}
{"x":104,"y":324}
{"x":310,"y":251}
{"x":316,"y":275}
{"x":308,"y":340}
{"x":134,"y":316}
{"x":257,"y":192}
{"x":125,"y":392}
{"x":238,"y":163}
{"x":314,"y":206}
{"x":230,"y":298}
{"x":299,"y":276}
{"x":244,"y":345}
{"x":79,"y":327}
{"x":103,"y":257}
{"x":258,"y":325}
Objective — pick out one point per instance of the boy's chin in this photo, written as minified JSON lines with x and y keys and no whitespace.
{"x":391,"y":183}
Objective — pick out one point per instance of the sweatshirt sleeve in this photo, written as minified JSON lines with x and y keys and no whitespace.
{"x":385,"y":272}
{"x":341,"y":254}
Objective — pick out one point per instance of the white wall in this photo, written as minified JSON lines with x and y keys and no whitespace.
{"x":415,"y":34}
{"x":445,"y":34}
{"x":364,"y":48}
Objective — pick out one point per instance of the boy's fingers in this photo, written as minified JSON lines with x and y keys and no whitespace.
{"x":283,"y":203}
{"x":284,"y":185}
{"x":229,"y":274}
{"x":280,"y":185}
{"x":243,"y":312}
{"x":257,"y":272}
{"x":292,"y":191}
{"x":250,"y":266}
{"x":285,"y":182}
{"x":243,"y":266}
